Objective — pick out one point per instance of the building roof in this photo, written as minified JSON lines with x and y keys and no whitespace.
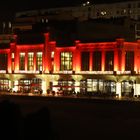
{"x":30,"y":38}
{"x":65,"y":33}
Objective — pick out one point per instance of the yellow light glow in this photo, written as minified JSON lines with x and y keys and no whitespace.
{"x":15,"y":88}
{"x":136,"y":89}
{"x":44,"y":87}
{"x":118,"y":89}
{"x":77,"y":86}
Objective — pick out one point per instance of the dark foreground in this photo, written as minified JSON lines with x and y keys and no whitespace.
{"x":68,"y":118}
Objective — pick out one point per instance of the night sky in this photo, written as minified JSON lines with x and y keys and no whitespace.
{"x":9,"y":7}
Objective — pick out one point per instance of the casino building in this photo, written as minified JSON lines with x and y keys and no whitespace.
{"x":111,"y":68}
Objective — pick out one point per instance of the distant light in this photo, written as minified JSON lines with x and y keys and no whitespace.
{"x":84,"y":4}
{"x":103,"y":13}
{"x":88,"y":2}
{"x":9,"y":24}
{"x":124,"y":10}
{"x":47,"y":20}
{"x":42,"y":20}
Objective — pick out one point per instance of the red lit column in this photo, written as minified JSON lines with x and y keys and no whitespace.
{"x":16,"y":60}
{"x":46,"y":43}
{"x":57,"y":61}
{"x":9,"y":62}
{"x":121,"y":54}
{"x":34,"y":62}
{"x":77,"y":59}
{"x":123,"y":61}
{"x":116,"y":60}
{"x":136,"y":58}
{"x":26,"y":61}
{"x":13,"y":49}
{"x":103,"y":60}
{"x":138,"y":61}
{"x":119,"y":60}
{"x":90,"y":62}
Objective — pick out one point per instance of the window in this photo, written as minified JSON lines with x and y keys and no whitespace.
{"x":4,"y":84}
{"x":100,"y":86}
{"x":13,"y":55}
{"x":66,"y":61}
{"x":109,"y":87}
{"x":96,"y":66}
{"x":25,"y":85}
{"x":39,"y":61}
{"x":52,"y":55}
{"x":3,"y":61}
{"x":30,"y":61}
{"x":109,"y":61}
{"x":66,"y":85}
{"x":129,"y":61}
{"x":126,"y":87}
{"x":22,"y":61}
{"x":85,"y":61}
{"x":95,"y":85}
{"x":83,"y":86}
{"x":36,"y":85}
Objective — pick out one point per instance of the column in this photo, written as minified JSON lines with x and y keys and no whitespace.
{"x":123,"y":61}
{"x":118,"y":89}
{"x":34,"y":61}
{"x":9,"y":67}
{"x":57,"y":61}
{"x":26,"y":61}
{"x":103,"y":61}
{"x":77,"y":58}
{"x":90,"y":61}
{"x":116,"y":67}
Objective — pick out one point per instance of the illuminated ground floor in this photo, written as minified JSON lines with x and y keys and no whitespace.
{"x":112,"y":85}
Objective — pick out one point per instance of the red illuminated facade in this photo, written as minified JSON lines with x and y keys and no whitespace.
{"x":111,"y":68}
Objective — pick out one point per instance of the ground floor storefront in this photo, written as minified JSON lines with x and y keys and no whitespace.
{"x":94,"y":85}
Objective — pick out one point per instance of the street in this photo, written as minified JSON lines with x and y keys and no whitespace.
{"x":84,"y":118}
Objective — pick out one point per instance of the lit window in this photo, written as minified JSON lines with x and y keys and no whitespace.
{"x":9,"y":25}
{"x":4,"y":84}
{"x":103,"y":13}
{"x":30,"y":61}
{"x":124,"y":11}
{"x":46,"y":20}
{"x":25,"y":85}
{"x":52,"y":55}
{"x":66,"y":61}
{"x":42,"y":20}
{"x":95,"y":85}
{"x":13,"y":55}
{"x":39,"y":61}
{"x":126,"y":87}
{"x":22,"y":61}
{"x":66,"y":85}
